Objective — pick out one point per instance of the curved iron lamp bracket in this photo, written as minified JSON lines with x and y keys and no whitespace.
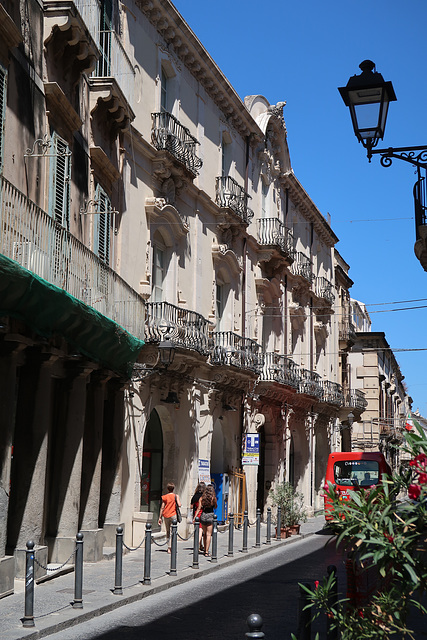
{"x":417,"y":156}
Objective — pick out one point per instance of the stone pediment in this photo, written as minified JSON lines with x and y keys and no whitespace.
{"x":222,"y":253}
{"x":166,"y":215}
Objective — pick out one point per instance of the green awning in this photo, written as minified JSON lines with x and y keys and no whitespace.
{"x":50,"y":311}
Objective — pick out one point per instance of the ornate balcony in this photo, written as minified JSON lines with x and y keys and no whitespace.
{"x":303,"y":267}
{"x":281,"y":369}
{"x":324,"y":289}
{"x":230,"y":195}
{"x":168,"y":134}
{"x":332,"y":393}
{"x":310,"y":384}
{"x":233,"y":350}
{"x":347,"y":331}
{"x":355,"y":399}
{"x":34,"y":240}
{"x":186,"y":329}
{"x":273,"y":233}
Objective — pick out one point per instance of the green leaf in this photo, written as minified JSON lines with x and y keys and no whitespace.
{"x":412,"y":573}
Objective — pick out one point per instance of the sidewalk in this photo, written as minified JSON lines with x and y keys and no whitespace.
{"x":53,"y":598}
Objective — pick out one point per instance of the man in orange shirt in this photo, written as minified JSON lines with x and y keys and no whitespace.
{"x":168,"y":510}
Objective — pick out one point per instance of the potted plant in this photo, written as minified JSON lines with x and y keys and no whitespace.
{"x":293,"y":512}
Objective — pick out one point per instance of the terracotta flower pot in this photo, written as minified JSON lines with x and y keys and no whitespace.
{"x":284,"y":532}
{"x":294,"y":529}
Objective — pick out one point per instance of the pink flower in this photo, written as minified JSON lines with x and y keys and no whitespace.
{"x":414,"y":491}
{"x":422,"y":478}
{"x":316,"y":584}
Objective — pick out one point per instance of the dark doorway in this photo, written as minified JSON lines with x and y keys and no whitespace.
{"x":260,"y":499}
{"x":151,"y":467}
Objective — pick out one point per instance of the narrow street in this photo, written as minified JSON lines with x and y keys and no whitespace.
{"x":217,"y":605}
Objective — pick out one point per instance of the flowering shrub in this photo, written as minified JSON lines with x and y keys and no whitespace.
{"x":378,"y":527}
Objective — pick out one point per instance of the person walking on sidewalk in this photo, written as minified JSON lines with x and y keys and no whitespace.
{"x":205,"y":511}
{"x":194,"y":502}
{"x":168,"y":510}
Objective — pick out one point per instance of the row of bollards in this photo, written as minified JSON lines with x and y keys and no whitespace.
{"x":28,"y":619}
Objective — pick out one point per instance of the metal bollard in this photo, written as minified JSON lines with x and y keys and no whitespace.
{"x":258,"y":528}
{"x":245,"y":532}
{"x":147,"y":555}
{"x":332,"y":630}
{"x":279,"y":523}
{"x":28,"y":619}
{"x":214,"y":556}
{"x":268,"y":541}
{"x":174,"y":545}
{"x":78,"y":573}
{"x":118,"y":588}
{"x":304,"y":614}
{"x":230,"y":534}
{"x":254,"y":622}
{"x":196,"y":544}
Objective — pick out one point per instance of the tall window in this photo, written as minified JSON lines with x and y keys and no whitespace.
{"x":164,"y":92}
{"x":102,"y":225}
{"x":60,"y":176}
{"x":264,"y":199}
{"x":2,"y":112}
{"x":225,"y":157}
{"x":220,"y":307}
{"x":159,"y":271}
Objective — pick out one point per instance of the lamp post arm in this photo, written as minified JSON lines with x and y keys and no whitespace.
{"x":417,"y":156}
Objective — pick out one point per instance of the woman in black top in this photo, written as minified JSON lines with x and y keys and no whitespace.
{"x":205,"y":511}
{"x":194,"y":502}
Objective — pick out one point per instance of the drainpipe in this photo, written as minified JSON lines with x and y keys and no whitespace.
{"x":244,"y":246}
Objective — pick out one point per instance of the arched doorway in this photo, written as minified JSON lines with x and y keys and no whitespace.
{"x":152,"y":465}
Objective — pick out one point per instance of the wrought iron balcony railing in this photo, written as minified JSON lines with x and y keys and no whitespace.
{"x":281,"y":369}
{"x":310,"y":383}
{"x":231,"y":349}
{"x":91,"y":14}
{"x":324,"y":289}
{"x":186,"y":329}
{"x":170,"y":135}
{"x":303,"y":267}
{"x":230,"y":195}
{"x":33,"y":239}
{"x":115,"y":63}
{"x":332,"y":393}
{"x":272,"y":232}
{"x":347,"y":330}
{"x":355,"y":398}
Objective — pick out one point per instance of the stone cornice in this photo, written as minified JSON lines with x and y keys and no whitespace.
{"x":302,"y":200}
{"x":178,"y":35}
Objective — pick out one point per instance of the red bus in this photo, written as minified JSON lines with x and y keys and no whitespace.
{"x":350,"y":470}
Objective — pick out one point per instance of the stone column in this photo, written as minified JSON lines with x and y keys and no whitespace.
{"x":34,"y":414}
{"x":91,"y":469}
{"x":8,"y":368}
{"x":67,"y":466}
{"x":112,"y":455}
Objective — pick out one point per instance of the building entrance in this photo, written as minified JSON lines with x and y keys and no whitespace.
{"x":151,"y":467}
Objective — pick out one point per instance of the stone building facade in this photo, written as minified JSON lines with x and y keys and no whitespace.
{"x":148,"y":213}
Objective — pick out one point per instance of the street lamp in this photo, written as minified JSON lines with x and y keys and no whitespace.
{"x":367,"y":96}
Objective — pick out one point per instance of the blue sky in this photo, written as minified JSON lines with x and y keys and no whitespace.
{"x":300,"y":52}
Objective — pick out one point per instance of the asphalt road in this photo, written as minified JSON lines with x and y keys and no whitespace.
{"x":217,"y":605}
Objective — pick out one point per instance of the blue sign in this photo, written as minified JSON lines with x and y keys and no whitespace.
{"x":252,"y":443}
